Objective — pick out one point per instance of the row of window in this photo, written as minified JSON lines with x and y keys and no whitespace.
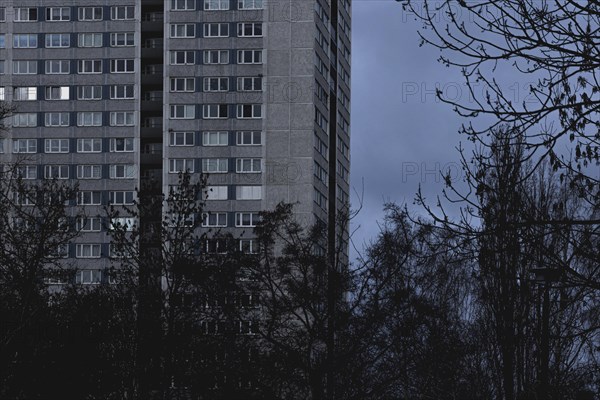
{"x":190,"y":5}
{"x":57,"y":14}
{"x":63,"y":119}
{"x":63,"y":40}
{"x":210,"y":57}
{"x":120,"y":145}
{"x":244,"y":29}
{"x":215,"y":165}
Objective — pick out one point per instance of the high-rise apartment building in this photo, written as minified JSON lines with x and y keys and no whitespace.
{"x":115,"y":94}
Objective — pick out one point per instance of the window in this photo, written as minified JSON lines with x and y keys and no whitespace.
{"x":57,"y":67}
{"x":2,"y":97}
{"x":250,"y":4}
{"x":214,"y":219}
{"x":25,"y":41}
{"x":121,"y":92}
{"x":249,"y":57}
{"x":90,"y":224}
{"x":58,"y":14}
{"x":122,"y":12}
{"x":249,"y":111}
{"x":183,"y":30}
{"x":181,"y":138}
{"x":124,"y":223}
{"x":54,"y":119}
{"x":246,"y":219}
{"x":248,"y":246}
{"x":56,"y":172}
{"x":122,"y":118}
{"x":90,"y":66}
{"x":215,"y":193}
{"x":89,"y":92}
{"x":216,"y":57}
{"x":183,"y":111}
{"x":212,"y":111}
{"x":321,"y":173}
{"x":58,"y":40}
{"x":216,"y":84}
{"x":121,"y":198}
{"x":121,"y":145}
{"x":24,"y":145}
{"x":89,"y":145}
{"x":183,"y":5}
{"x":89,"y":198}
{"x":56,"y":145}
{"x":249,"y":138}
{"x":88,"y":276}
{"x":90,"y":13}
{"x":122,"y":66}
{"x":249,"y":84}
{"x":88,"y":251}
{"x":183,"y":84}
{"x":89,"y":40}
{"x":215,"y":165}
{"x":27,"y":171}
{"x":123,"y":171}
{"x":25,"y":93}
{"x":220,"y":138}
{"x":2,"y":41}
{"x":177,"y":165}
{"x":2,"y":14}
{"x":122,"y":39}
{"x":250,"y":29}
{"x":183,"y":57}
{"x":57,"y":93}
{"x":25,"y":14}
{"x":25,"y":67}
{"x":210,"y":5}
{"x":89,"y":118}
{"x":248,"y":192}
{"x":1,"y":146}
{"x":216,"y":30}
{"x":248,"y":165}
{"x":25,"y":120}
{"x":89,"y":171}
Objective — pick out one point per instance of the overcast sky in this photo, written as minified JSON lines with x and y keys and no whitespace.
{"x":401,"y":135}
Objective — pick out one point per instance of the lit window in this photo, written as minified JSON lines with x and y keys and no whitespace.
{"x":250,"y":29}
{"x":216,"y":84}
{"x":54,"y":119}
{"x":57,"y":93}
{"x":249,"y":57}
{"x":213,"y":111}
{"x":56,"y":172}
{"x":215,"y":193}
{"x":89,"y":40}
{"x":89,"y":118}
{"x":122,"y":12}
{"x":25,"y":93}
{"x":216,"y":30}
{"x":124,"y":223}
{"x":249,"y":111}
{"x":89,"y":145}
{"x":56,"y":145}
{"x":121,"y":145}
{"x":183,"y":57}
{"x":181,"y":138}
{"x":177,"y":165}
{"x":215,"y":165}
{"x":248,"y":165}
{"x":90,"y":13}
{"x":57,"y":67}
{"x":210,"y":5}
{"x":58,"y":14}
{"x":248,"y":138}
{"x":25,"y":67}
{"x":89,"y":172}
{"x":219,"y":138}
{"x":248,"y":193}
{"x":216,"y":57}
